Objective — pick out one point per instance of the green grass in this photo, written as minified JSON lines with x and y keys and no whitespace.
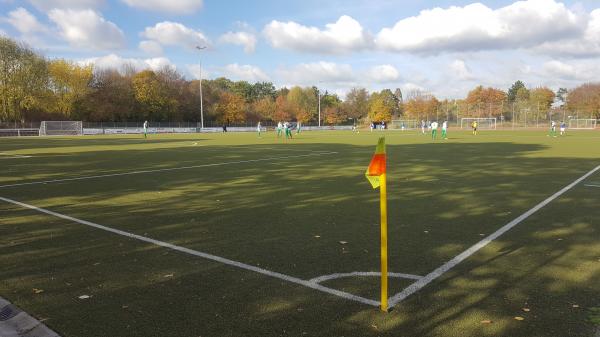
{"x":287,"y":214}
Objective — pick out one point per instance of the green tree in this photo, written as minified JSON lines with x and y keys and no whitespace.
{"x":356,"y":104}
{"x":514,"y":89}
{"x":23,"y":80}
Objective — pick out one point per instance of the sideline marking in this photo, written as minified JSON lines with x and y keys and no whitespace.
{"x":413,"y":288}
{"x":207,"y":256}
{"x":12,"y":156}
{"x":362,"y":273}
{"x":164,"y":170}
{"x":592,"y":185}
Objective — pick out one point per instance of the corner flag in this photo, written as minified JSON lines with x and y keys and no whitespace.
{"x":376,"y":174}
{"x":377,"y":166}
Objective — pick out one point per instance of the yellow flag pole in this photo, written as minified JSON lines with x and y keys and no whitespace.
{"x":384,"y":255}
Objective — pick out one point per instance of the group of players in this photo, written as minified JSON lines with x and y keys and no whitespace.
{"x":433,"y":126}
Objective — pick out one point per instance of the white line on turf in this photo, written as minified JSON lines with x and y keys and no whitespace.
{"x":592,"y":185}
{"x":215,"y":258}
{"x":413,"y":288}
{"x":164,"y":169}
{"x":361,"y":273}
{"x":12,"y":156}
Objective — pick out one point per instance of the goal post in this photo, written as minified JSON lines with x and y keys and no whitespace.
{"x":61,"y":128}
{"x":482,"y":123}
{"x":582,"y":123}
{"x":403,"y":124}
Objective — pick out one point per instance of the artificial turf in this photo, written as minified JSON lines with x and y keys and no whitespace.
{"x":285,"y":207}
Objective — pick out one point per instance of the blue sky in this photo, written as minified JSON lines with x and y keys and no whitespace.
{"x":442,"y":47}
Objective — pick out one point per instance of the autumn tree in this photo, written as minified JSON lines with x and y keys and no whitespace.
{"x":584,"y":100}
{"x":231,"y":108}
{"x":283,"y":112}
{"x":381,"y":107}
{"x":486,"y":101}
{"x":265,"y":108}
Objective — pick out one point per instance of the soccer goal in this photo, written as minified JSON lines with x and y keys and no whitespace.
{"x":403,"y":124}
{"x":482,"y":123}
{"x":61,"y":128}
{"x":582,"y":123}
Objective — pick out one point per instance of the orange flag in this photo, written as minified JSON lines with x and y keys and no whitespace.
{"x":377,"y":166}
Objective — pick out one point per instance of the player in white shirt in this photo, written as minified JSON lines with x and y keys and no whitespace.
{"x":434,"y":127}
{"x":445,"y":130}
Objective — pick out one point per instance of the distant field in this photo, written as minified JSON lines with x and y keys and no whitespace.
{"x":244,"y":226}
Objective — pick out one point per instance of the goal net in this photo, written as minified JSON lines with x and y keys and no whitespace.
{"x":61,"y":128}
{"x":403,"y":124}
{"x":578,"y":123}
{"x":482,"y":123}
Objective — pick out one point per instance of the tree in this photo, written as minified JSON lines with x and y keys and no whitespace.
{"x":562,"y":95}
{"x":282,"y":109}
{"x":381,"y":106}
{"x":265,"y":108}
{"x":585,"y":100}
{"x":70,"y":83}
{"x":541,"y":98}
{"x":514,"y":89}
{"x":356,"y":104}
{"x":487,"y":101}
{"x":23,"y":80}
{"x":420,"y":105}
{"x":302,"y":103}
{"x":152,"y":96}
{"x":231,"y":108}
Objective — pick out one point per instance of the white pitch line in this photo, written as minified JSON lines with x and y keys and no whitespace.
{"x":592,"y":185}
{"x":413,"y":288}
{"x":207,"y":256}
{"x":362,"y":273}
{"x":12,"y":156}
{"x":163,"y":170}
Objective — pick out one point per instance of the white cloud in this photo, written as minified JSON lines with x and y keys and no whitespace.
{"x":168,"y":6}
{"x":522,"y":24}
{"x":3,"y":33}
{"x":87,"y":29}
{"x":585,"y":46}
{"x":45,"y":5}
{"x":575,"y":71}
{"x":383,"y":74}
{"x":175,"y":34}
{"x":113,"y":61}
{"x":245,"y":72}
{"x":248,"y":40}
{"x":460,"y":70}
{"x":151,"y":47}
{"x":344,"y":36}
{"x":25,"y":22}
{"x":313,"y":73}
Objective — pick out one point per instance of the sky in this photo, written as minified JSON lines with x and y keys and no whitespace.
{"x":442,"y":47}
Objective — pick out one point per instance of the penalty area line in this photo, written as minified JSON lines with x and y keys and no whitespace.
{"x":418,"y":285}
{"x":164,"y":169}
{"x":207,"y":256}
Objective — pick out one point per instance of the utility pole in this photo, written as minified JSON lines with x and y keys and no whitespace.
{"x":201,"y":103}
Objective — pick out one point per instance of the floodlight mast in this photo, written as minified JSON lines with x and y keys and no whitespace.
{"x":201,"y":106}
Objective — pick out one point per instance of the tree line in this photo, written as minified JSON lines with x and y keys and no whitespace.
{"x":34,"y":88}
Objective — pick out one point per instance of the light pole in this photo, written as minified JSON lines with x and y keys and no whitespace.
{"x":201,"y":106}
{"x":319,"y":97}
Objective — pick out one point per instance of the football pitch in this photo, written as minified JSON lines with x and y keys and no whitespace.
{"x":234,"y":235}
